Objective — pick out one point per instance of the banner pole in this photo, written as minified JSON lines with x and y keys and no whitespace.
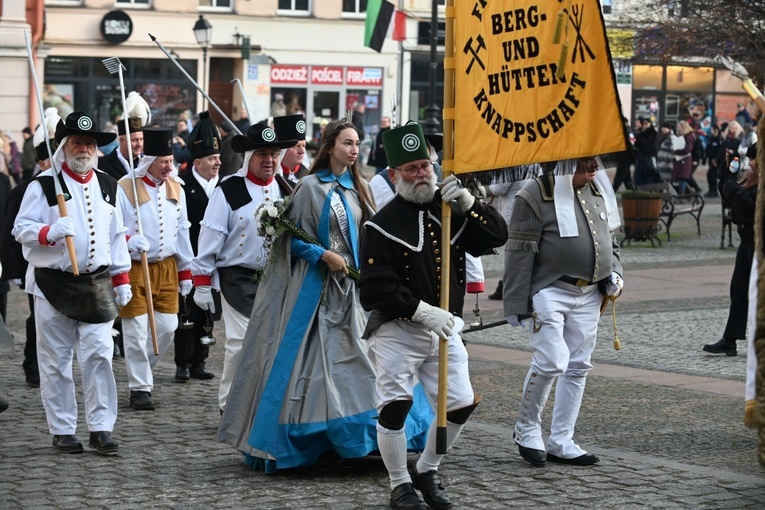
{"x":446,"y":223}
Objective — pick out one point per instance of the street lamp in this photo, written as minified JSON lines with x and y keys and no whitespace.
{"x":203,"y":33}
{"x":431,"y":125}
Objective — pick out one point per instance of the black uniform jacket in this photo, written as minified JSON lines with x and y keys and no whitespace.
{"x":112,"y":165}
{"x":401,"y":255}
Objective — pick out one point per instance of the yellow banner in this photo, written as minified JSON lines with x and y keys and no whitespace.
{"x":512,"y":107}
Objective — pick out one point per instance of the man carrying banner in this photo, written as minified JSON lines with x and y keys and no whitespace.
{"x":76,"y":312}
{"x":400,"y":284}
{"x":560,"y":260}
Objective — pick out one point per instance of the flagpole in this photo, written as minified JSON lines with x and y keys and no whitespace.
{"x":400,"y":80}
{"x":446,"y":221}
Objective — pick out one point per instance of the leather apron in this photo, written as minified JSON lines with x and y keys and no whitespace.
{"x":88,"y":297}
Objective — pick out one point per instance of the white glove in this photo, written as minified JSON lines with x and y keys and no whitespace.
{"x":203,"y":298}
{"x":452,"y":189}
{"x":138,"y":243}
{"x":124,"y":294}
{"x":59,"y":230}
{"x":614,"y":285}
{"x":515,"y":320}
{"x":184,"y":287}
{"x":16,"y":281}
{"x":438,"y":320}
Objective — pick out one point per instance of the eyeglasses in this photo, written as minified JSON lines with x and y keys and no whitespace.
{"x":415,"y":169}
{"x":263,"y":154}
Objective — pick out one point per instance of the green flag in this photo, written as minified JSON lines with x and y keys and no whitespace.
{"x":379,"y":14}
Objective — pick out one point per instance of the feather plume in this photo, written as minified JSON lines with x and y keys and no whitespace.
{"x":51,"y":121}
{"x":137,"y":108}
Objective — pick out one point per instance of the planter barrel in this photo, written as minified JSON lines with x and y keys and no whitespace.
{"x":641,"y":216}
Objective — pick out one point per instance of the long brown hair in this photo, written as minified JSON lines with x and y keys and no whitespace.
{"x":328,"y":139}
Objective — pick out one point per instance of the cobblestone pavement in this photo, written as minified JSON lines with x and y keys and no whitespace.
{"x":665,"y":418}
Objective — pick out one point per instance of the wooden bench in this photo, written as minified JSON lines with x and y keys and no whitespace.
{"x":675,"y":205}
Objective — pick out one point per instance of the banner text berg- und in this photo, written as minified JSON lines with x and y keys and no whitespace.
{"x":511,"y":108}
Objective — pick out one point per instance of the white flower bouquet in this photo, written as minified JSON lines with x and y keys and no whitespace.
{"x":271,"y":222}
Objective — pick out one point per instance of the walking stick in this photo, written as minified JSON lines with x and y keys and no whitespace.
{"x":60,"y":200}
{"x":113,"y":65}
{"x":200,"y":89}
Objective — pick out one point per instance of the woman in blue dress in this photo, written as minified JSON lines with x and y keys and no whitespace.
{"x":304,"y":385}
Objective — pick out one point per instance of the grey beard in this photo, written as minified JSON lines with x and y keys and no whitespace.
{"x":421,"y":195}
{"x":81,"y":164}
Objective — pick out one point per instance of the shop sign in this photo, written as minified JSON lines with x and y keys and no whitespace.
{"x":116,"y":27}
{"x":369,"y":76}
{"x":289,"y":74}
{"x":326,"y":75}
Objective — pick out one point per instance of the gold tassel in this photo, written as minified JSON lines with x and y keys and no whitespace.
{"x":603,"y":305}
{"x":749,"y":417}
{"x":617,"y":343}
{"x":559,"y":73}
{"x":558,"y":30}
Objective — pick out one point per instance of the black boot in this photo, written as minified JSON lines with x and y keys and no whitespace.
{"x":722,"y":346}
{"x":497,"y":294}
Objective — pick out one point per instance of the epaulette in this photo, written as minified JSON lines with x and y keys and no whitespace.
{"x":235,"y":190}
{"x":546,"y":186}
{"x":106,"y":182}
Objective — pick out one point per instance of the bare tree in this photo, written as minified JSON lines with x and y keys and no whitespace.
{"x":675,"y":30}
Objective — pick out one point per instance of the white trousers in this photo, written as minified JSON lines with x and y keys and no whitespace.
{"x":236,"y":327}
{"x":402,"y":350}
{"x":58,"y":338}
{"x":139,"y":350}
{"x":567,"y":317}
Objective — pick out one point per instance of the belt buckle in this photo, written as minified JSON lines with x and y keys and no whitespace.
{"x":581,"y":283}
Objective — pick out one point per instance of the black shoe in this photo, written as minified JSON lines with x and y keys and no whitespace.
{"x":710,"y":194}
{"x":182,"y":374}
{"x":537,"y":458}
{"x":587,"y":459}
{"x":103,"y":443}
{"x":33,"y":378}
{"x":200,"y":373}
{"x":497,"y":294}
{"x":403,"y":497}
{"x":432,"y":491}
{"x":67,"y":444}
{"x":3,"y":405}
{"x":722,"y":346}
{"x":141,"y":401}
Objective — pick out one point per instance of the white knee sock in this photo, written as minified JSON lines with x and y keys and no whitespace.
{"x":430,"y":460}
{"x":392,"y":444}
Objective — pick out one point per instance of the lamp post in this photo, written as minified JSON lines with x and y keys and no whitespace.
{"x":431,"y":125}
{"x":203,"y":33}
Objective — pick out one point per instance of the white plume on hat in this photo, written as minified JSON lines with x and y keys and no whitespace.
{"x":137,"y":107}
{"x":51,"y":121}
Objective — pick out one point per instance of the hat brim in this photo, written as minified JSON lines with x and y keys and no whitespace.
{"x":240,"y":143}
{"x":102,"y":137}
{"x":436,"y":141}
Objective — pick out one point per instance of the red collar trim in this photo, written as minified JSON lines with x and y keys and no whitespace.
{"x":288,"y":171}
{"x":82,"y":179}
{"x":259,"y":181}
{"x":148,"y":181}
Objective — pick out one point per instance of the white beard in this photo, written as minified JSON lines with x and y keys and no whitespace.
{"x":81,"y":163}
{"x":418,"y":195}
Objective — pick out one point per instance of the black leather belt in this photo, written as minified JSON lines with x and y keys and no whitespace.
{"x":579,"y":282}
